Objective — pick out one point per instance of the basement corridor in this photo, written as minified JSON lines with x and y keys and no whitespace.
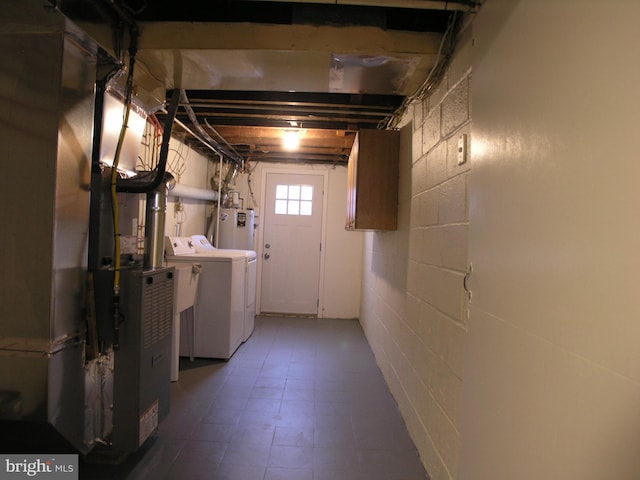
{"x":302,"y":399}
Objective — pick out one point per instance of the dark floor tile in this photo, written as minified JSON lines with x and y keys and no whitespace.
{"x":270,"y":382}
{"x":253,"y":435}
{"x":198,"y":451}
{"x":303,"y":399}
{"x":334,"y":434}
{"x":334,"y":458}
{"x":222,"y":415}
{"x":299,"y":394}
{"x":246,"y":454}
{"x":294,"y":436}
{"x":235,"y":472}
{"x":190,"y":470}
{"x":287,"y":456}
{"x":305,"y":407}
{"x":214,"y":432}
{"x":275,"y":473}
{"x":391,"y":465}
{"x":267,"y":392}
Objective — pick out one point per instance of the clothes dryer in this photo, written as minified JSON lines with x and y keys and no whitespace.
{"x":202,"y":245}
{"x":218,"y":326}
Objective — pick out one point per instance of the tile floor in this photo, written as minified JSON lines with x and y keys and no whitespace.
{"x":302,"y":399}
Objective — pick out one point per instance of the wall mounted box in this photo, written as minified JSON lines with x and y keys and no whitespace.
{"x":372,"y":182}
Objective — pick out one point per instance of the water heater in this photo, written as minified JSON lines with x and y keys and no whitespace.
{"x":236,"y":229}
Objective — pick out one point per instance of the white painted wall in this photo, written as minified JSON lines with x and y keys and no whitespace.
{"x":343,"y":254}
{"x":552,"y":377}
{"x":184,"y":216}
{"x":412,"y":307}
{"x":341,"y":271}
{"x":542,"y":380}
{"x":187,"y":216}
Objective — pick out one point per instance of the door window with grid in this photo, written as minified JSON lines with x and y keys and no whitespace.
{"x":294,"y":199}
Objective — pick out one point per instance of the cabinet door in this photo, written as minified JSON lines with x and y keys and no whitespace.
{"x":373,"y":181}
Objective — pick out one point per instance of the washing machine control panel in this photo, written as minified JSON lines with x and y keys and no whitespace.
{"x":179,"y":246}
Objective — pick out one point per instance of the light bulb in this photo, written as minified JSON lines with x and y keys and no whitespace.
{"x":291,"y":139}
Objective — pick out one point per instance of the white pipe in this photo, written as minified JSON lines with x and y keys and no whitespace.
{"x":185,"y":191}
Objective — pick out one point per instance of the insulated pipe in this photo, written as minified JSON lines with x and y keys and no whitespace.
{"x":184,"y":191}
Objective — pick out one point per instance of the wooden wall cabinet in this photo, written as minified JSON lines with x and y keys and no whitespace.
{"x":372,"y":188}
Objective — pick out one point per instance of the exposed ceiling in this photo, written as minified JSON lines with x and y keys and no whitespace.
{"x":253,"y":69}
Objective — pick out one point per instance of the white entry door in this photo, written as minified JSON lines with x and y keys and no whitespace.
{"x":291,"y":243}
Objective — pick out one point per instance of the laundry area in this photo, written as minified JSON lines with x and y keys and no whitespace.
{"x":311,"y":240}
{"x":156,"y":251}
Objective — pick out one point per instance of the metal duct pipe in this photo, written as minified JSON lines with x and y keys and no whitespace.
{"x":157,"y":191}
{"x":231,"y":175}
{"x":42,"y":330}
{"x":155,"y":215}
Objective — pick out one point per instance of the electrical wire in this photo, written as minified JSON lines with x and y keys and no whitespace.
{"x":434,"y":76}
{"x":178,"y":165}
{"x":225,"y":141}
{"x":203,"y":136}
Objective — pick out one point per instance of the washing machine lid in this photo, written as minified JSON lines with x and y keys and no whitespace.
{"x":248,"y":254}
{"x":202,"y":245}
{"x":201,"y":259}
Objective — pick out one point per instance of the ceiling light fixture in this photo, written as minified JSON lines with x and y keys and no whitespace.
{"x":291,"y":139}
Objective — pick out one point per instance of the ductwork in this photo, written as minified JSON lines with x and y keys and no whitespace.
{"x":156,"y":210}
{"x":140,"y":183}
{"x":46,"y":109}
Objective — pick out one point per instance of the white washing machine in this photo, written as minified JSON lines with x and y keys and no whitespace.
{"x":218,"y":326}
{"x":202,"y":245}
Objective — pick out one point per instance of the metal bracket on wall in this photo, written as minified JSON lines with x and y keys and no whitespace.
{"x":465,"y":282}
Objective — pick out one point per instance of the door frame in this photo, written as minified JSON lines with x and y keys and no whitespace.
{"x":323,"y":228}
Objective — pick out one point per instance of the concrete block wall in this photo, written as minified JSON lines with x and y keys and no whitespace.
{"x":413,"y":304}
